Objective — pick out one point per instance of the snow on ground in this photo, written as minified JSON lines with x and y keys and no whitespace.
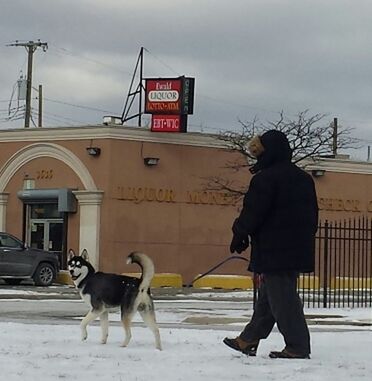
{"x":42,"y":352}
{"x":6,"y":291}
{"x":55,"y":352}
{"x":316,"y":316}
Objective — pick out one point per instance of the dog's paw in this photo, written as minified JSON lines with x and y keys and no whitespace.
{"x":104,"y":340}
{"x":84,"y":335}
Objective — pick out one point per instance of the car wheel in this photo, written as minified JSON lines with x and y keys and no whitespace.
{"x":13,"y":281}
{"x":44,"y":275}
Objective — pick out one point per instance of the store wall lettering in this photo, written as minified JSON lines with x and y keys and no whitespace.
{"x":338,"y":204}
{"x":147,"y":194}
{"x":169,"y":195}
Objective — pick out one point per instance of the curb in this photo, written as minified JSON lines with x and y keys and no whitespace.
{"x":63,"y":277}
{"x":308,"y":283}
{"x":162,"y":279}
{"x":159,"y":280}
{"x":228,"y":282}
{"x":167,"y":280}
{"x":350,"y":283}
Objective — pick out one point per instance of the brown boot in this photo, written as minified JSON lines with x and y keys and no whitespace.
{"x":249,"y":348}
{"x":286,"y":354}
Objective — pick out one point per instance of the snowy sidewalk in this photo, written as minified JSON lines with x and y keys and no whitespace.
{"x":192,"y":327}
{"x":176,"y":307}
{"x":55,"y":352}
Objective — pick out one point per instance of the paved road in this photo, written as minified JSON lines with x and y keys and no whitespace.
{"x":175,"y":307}
{"x":186,"y":308}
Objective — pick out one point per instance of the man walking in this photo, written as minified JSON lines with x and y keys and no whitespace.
{"x":279,"y":217}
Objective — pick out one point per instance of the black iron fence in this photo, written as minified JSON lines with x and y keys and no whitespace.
{"x":343,"y":266}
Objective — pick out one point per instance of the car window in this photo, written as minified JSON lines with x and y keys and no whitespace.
{"x":9,"y":242}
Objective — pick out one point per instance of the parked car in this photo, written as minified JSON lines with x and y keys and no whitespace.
{"x":19,"y":262}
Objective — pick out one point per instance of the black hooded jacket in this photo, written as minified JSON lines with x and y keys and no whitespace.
{"x":280,"y":211}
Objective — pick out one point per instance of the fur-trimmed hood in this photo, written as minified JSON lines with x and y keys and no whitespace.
{"x":274,"y":149}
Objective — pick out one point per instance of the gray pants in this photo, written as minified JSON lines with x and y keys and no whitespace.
{"x":278,"y":302}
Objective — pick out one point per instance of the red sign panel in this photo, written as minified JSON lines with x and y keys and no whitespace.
{"x":163,"y":96}
{"x":166,"y":123}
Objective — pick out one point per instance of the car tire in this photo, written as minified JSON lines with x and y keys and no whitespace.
{"x":12,"y":281}
{"x":44,"y":275}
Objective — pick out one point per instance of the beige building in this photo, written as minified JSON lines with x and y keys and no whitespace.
{"x":114,"y":189}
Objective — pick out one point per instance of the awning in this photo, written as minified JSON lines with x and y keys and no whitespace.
{"x":63,"y":196}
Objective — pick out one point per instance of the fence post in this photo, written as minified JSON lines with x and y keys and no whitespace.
{"x":256,"y":286}
{"x":325,"y":265}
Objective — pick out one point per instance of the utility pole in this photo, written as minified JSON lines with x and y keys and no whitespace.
{"x":335,"y":133}
{"x":30,"y":47}
{"x":40,"y":119}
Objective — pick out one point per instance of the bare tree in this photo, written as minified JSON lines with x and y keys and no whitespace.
{"x":309,"y":136}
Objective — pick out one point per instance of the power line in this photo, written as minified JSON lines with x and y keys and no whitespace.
{"x":7,"y":120}
{"x":78,"y":106}
{"x":7,"y":110}
{"x":162,"y":62}
{"x":56,"y":120}
{"x":57,"y":116}
{"x":208,"y":97}
{"x":80,"y":56}
{"x":61,"y":50}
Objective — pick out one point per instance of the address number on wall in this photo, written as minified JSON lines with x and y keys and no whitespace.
{"x":44,"y":174}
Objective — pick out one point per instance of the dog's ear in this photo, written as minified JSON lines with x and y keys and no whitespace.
{"x":71,"y":253}
{"x":84,"y":255}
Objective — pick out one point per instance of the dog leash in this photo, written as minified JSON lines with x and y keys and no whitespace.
{"x":216,"y":267}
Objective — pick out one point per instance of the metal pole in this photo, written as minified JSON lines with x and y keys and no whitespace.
{"x":335,"y":133}
{"x":325,"y":264}
{"x":30,"y":51}
{"x":133,"y":94}
{"x":40,"y":120}
{"x":140,"y":90}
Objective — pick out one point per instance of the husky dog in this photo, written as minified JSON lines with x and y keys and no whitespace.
{"x":102,"y":292}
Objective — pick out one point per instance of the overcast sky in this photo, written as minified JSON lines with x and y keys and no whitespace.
{"x":250,"y":58}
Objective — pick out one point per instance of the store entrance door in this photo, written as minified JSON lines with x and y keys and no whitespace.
{"x":46,"y":234}
{"x":45,"y":227}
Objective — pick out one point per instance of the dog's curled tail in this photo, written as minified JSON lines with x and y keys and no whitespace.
{"x":147,"y":267}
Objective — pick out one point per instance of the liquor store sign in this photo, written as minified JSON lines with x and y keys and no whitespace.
{"x":166,"y":123}
{"x":169,"y":100}
{"x":163,"y":96}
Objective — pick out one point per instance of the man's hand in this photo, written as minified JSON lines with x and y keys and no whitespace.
{"x":238,"y":244}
